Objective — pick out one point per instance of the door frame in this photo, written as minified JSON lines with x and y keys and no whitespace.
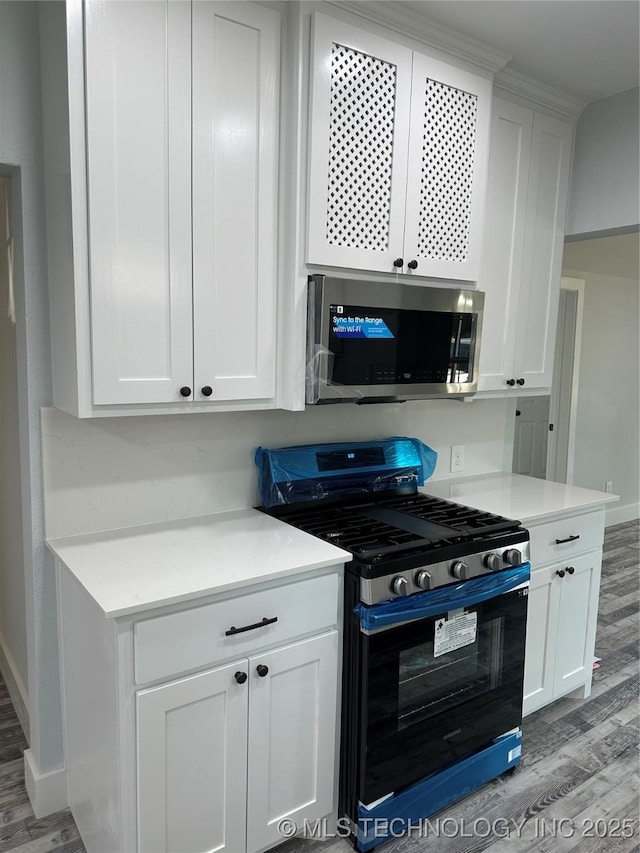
{"x":577,"y":285}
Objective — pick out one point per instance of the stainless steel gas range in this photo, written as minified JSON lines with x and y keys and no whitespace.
{"x":434,"y":634}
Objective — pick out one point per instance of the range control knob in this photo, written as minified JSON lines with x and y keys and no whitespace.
{"x":492,"y":562}
{"x":512,"y":557}
{"x":460,"y":570}
{"x":423,"y":579}
{"x":399,"y":586}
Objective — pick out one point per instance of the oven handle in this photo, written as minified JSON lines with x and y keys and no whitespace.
{"x":434,"y":602}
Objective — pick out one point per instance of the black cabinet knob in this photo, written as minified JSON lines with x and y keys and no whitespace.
{"x":399,"y":262}
{"x":262,"y":670}
{"x":240,"y":677}
{"x":413,"y":265}
{"x":520,"y":381}
{"x":560,"y":573}
{"x":207,"y":391}
{"x":185,"y":391}
{"x":511,"y":382}
{"x":570,"y":569}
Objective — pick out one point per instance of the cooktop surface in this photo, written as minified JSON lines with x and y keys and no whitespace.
{"x":376,"y":530}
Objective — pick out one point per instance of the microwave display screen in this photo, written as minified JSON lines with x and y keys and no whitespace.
{"x":378,"y":346}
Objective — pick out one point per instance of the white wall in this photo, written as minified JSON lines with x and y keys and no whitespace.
{"x":608,"y":413}
{"x":13,"y":632}
{"x":119,"y":472}
{"x":606,"y":176}
{"x":21,"y":155}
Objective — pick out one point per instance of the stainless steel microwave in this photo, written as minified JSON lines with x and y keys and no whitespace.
{"x":371,"y":341}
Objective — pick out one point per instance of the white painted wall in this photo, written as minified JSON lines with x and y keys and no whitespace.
{"x":21,"y":155}
{"x":120,"y":472}
{"x":606,"y":175}
{"x":13,"y":631}
{"x":608,"y":411}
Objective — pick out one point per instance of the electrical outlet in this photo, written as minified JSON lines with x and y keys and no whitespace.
{"x":608,"y":486}
{"x":457,"y":457}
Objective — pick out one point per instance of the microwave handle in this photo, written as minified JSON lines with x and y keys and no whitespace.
{"x":456,"y":351}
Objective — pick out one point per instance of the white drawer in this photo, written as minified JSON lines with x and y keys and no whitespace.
{"x":196,"y":638}
{"x":562,"y":538}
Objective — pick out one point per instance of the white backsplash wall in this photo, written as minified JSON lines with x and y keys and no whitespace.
{"x":118,"y":472}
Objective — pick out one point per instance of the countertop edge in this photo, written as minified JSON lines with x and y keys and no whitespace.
{"x":573,"y":510}
{"x":583,"y":501}
{"x":308,"y":564}
{"x":135,"y":610}
{"x":195,"y":595}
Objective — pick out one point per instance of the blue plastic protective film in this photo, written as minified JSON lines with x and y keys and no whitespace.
{"x":442,"y":600}
{"x":319,"y":471}
{"x":402,"y":813}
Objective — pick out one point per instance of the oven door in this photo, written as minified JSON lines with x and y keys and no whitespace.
{"x":442,"y":676}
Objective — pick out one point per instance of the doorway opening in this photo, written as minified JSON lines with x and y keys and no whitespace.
{"x":13,"y":652}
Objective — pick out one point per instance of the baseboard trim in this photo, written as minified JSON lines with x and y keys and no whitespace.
{"x":47,"y":791}
{"x":620,"y":514}
{"x":15,"y":686}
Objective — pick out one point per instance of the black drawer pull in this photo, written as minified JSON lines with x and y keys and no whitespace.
{"x":262,"y":624}
{"x":571,"y":569}
{"x":568,"y":539}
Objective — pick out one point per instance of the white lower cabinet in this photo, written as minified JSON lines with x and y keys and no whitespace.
{"x":192,"y":763}
{"x":563,"y":609}
{"x":200,"y":727}
{"x":292,"y":718}
{"x":226,"y":755}
{"x":577,"y":622}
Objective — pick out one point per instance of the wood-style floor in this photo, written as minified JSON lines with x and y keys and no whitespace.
{"x":579,"y":769}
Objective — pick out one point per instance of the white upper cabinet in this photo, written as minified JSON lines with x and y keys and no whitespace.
{"x":236,"y":62}
{"x":359,"y":135}
{"x":166,"y":294}
{"x":544,"y":244}
{"x":448,"y":150}
{"x":139,"y":199}
{"x":522,"y":255}
{"x":398,"y":153}
{"x":509,"y":162}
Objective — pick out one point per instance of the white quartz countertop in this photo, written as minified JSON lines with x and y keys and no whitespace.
{"x":515,"y":496}
{"x":137,"y":568}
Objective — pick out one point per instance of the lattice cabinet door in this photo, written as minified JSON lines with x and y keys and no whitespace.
{"x":359,"y":131}
{"x":448,"y":160}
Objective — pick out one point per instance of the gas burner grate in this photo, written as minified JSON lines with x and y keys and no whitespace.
{"x":464,"y":518}
{"x":372,"y":540}
{"x":354,"y":532}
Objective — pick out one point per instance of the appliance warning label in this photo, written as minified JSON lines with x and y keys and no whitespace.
{"x":458,"y":629}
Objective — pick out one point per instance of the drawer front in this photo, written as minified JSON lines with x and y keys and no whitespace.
{"x":560,"y":539}
{"x":191,"y":639}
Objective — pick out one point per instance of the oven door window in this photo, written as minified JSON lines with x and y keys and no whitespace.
{"x":432,"y":682}
{"x":426,"y":707}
